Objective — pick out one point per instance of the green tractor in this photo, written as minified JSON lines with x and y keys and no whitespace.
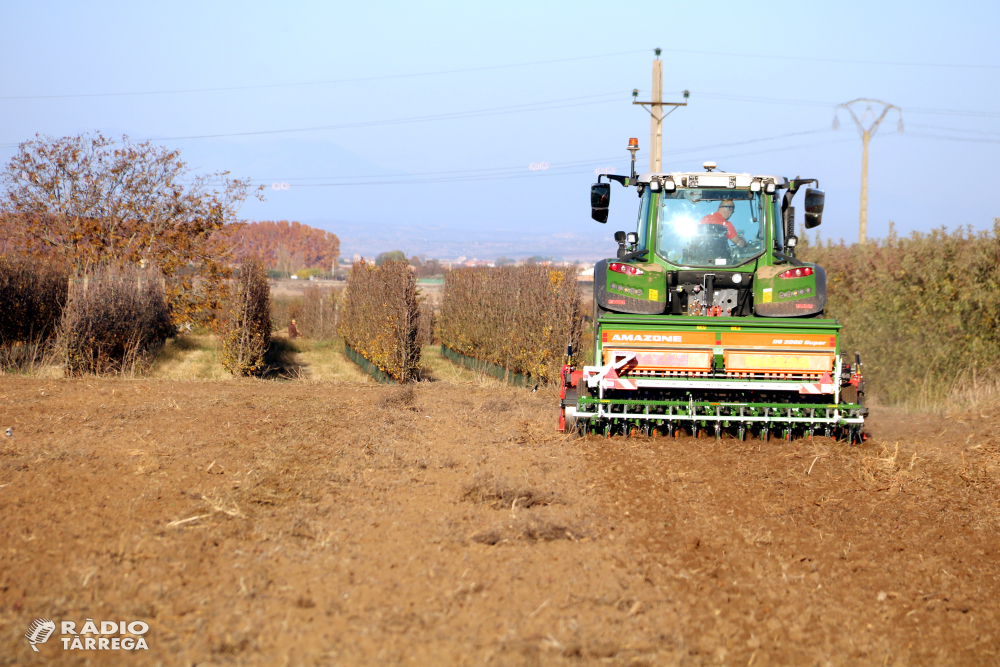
{"x":707,"y":322}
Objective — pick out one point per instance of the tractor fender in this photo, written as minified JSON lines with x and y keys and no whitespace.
{"x":622,"y":303}
{"x":808,"y":305}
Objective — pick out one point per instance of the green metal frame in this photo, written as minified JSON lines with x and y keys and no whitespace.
{"x":480,"y":366}
{"x":368,"y":367}
{"x":783,"y":413}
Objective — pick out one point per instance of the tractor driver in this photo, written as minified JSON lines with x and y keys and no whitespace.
{"x":721,"y":217}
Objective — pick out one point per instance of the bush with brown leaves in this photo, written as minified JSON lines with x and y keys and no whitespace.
{"x":246,"y":322}
{"x":114,"y":318}
{"x":32,"y":297}
{"x":520,"y":318}
{"x":317,"y":318}
{"x":379,"y":317}
{"x":921,"y":309}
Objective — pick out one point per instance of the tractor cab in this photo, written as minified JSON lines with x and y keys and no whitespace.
{"x":710,"y":243}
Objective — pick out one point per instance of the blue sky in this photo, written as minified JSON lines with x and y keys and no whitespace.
{"x":438,"y":109}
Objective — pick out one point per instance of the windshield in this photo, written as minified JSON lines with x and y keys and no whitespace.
{"x":643,"y":225}
{"x":709,"y":227}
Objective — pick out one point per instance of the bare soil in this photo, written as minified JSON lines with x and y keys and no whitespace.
{"x":296,"y":523}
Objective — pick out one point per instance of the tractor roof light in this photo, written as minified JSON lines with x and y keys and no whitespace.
{"x":755,"y":186}
{"x":769,"y":188}
{"x":654,"y":185}
{"x":800,"y":272}
{"x":633,"y":142}
{"x":669,"y":185}
{"x":625,"y":269}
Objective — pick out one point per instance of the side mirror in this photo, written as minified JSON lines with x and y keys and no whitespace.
{"x":814,"y":207}
{"x":600,"y":199}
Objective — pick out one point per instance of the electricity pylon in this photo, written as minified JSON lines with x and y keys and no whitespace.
{"x":866,"y":136}
{"x":656,"y":111}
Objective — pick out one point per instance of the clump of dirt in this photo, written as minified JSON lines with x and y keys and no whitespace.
{"x":500,"y":491}
{"x":400,"y":398}
{"x":533,"y":528}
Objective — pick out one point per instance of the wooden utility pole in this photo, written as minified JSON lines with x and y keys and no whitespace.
{"x":656,"y":119}
{"x":866,"y":136}
{"x":656,"y":114}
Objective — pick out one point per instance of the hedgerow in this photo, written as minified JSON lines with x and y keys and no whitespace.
{"x":245,"y":327}
{"x":922,"y":310}
{"x":32,"y":296}
{"x":379,"y":317}
{"x":114,"y":317}
{"x":520,"y":318}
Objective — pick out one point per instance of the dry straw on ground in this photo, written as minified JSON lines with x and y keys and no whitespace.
{"x":380,"y":316}
{"x":521,"y":318}
{"x":114,"y":318}
{"x":246,"y":324}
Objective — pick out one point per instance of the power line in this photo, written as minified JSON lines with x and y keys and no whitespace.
{"x":952,"y":129}
{"x":836,"y":61}
{"x":618,"y":158}
{"x":763,"y":100}
{"x":743,"y":143}
{"x":492,"y":67}
{"x":472,"y":178}
{"x":786,"y":148}
{"x":543,"y":106}
{"x":325,"y":82}
{"x":955,"y":112}
{"x":457,"y":115}
{"x":816,"y":103}
{"x":518,"y":171}
{"x":923,"y":135}
{"x":475,"y":113}
{"x":553,"y":167}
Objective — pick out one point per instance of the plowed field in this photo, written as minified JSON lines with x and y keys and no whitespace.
{"x":296,"y":523}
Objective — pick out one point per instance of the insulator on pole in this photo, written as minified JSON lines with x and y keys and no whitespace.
{"x":899,"y":126}
{"x":836,"y":122}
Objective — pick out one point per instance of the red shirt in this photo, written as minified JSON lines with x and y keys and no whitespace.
{"x":716,"y":219}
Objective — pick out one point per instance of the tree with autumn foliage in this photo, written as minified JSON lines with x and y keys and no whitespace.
{"x":94,"y":201}
{"x":289,"y":246}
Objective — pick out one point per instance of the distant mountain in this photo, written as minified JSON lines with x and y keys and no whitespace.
{"x":371,"y":210}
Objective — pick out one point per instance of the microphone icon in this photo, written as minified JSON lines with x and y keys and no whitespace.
{"x":39,"y":632}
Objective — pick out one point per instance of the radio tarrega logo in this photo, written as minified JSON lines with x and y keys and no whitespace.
{"x":90,"y":638}
{"x":39,"y":632}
